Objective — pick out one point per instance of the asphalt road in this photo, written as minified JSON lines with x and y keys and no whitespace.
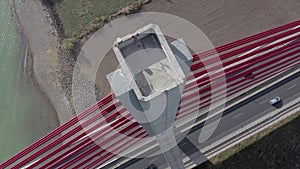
{"x":233,"y":119}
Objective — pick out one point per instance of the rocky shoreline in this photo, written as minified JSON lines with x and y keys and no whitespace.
{"x":54,"y":18}
{"x":40,"y":31}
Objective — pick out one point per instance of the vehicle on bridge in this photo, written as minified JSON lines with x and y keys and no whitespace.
{"x":275,"y":100}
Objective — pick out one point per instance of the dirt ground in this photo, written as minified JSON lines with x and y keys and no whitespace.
{"x":228,"y":20}
{"x":221,"y":21}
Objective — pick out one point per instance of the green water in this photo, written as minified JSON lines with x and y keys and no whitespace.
{"x":25,"y":114}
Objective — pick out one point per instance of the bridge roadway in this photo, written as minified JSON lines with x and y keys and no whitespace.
{"x":233,"y":119}
{"x":264,"y":67}
{"x":279,"y":63}
{"x":237,"y":116}
{"x":277,"y":60}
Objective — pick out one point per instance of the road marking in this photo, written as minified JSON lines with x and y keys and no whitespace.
{"x":237,"y":116}
{"x":264,"y":101}
{"x":289,"y":88}
{"x":152,"y":161}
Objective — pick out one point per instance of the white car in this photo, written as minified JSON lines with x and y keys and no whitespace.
{"x":275,"y":100}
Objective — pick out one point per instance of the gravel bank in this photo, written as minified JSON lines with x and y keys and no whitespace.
{"x":39,"y":32}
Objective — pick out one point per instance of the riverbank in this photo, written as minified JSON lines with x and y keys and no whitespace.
{"x":25,"y":113}
{"x":39,"y":33}
{"x":53,"y":64}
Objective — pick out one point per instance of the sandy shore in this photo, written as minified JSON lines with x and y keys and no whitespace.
{"x":38,"y":31}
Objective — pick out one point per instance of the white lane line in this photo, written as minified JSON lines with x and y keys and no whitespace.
{"x":237,"y":116}
{"x":153,"y":160}
{"x":289,"y":88}
{"x":264,"y":101}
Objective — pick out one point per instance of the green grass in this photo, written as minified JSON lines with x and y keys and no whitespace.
{"x":277,"y":147}
{"x":77,"y":15}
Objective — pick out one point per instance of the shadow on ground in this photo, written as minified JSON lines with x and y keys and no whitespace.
{"x":206,"y":165}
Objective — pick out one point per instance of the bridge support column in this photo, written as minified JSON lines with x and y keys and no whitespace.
{"x":150,"y":82}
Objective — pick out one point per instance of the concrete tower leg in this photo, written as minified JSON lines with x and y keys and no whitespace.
{"x":150,"y":82}
{"x":172,"y":155}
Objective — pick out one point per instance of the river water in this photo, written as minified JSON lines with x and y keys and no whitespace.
{"x":25,"y":114}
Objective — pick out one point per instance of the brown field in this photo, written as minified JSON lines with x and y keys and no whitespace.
{"x":222,"y":21}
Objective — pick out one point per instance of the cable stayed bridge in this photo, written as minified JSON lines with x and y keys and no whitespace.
{"x":87,"y":140}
